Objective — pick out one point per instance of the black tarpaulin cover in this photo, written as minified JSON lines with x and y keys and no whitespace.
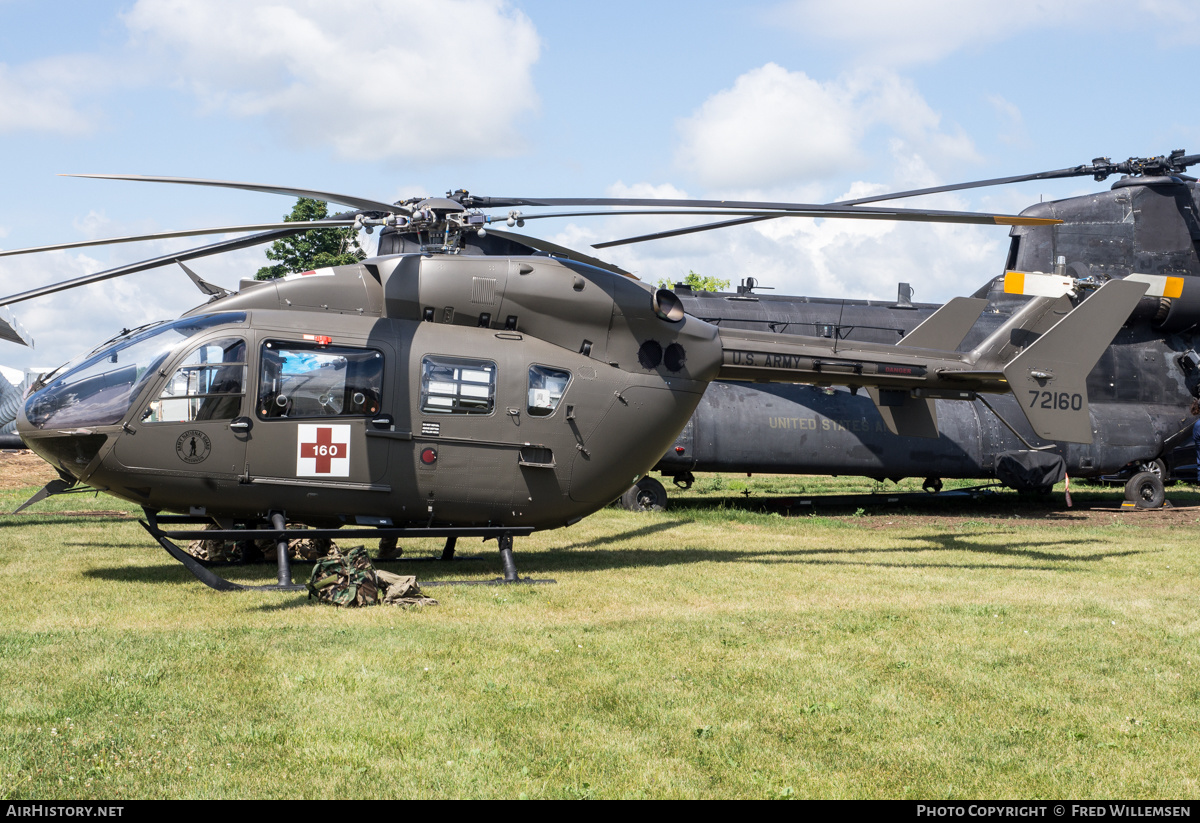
{"x":1028,"y":471}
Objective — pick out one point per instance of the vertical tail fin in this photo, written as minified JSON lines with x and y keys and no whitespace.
{"x":1049,"y":377}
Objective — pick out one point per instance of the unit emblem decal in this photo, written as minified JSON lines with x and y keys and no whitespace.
{"x":193,"y":446}
{"x":323,"y":451}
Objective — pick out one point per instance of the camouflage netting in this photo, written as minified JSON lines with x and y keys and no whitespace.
{"x":352,"y":581}
{"x":348,"y":580}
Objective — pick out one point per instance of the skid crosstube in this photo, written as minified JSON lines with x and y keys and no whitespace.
{"x":154,"y":522}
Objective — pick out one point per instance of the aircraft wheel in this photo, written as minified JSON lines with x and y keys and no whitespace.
{"x":1145,"y":490}
{"x":648,"y":495}
{"x":933,"y":485}
{"x":1157,"y":468}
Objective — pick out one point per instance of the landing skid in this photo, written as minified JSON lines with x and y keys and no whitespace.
{"x":206,"y":576}
{"x":281,"y":535}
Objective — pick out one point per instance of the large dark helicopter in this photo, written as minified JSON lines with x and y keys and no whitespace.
{"x":1144,"y":227}
{"x":431,"y":391}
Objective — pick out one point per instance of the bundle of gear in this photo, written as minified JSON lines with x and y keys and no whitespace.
{"x":350,"y":580}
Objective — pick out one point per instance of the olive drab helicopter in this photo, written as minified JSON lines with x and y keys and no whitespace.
{"x":468,"y":381}
{"x":1143,"y":228}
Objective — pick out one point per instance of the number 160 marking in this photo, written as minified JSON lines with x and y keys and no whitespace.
{"x":1062,"y":401}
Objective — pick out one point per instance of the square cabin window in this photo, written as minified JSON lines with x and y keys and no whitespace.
{"x":311,"y":380}
{"x":456,"y":385}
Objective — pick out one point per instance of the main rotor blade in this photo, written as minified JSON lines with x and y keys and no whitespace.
{"x":903,"y":215}
{"x":659,"y":235}
{"x":302,"y":225}
{"x":329,"y":197}
{"x":554,"y":248}
{"x":810,"y":209}
{"x":166,"y":259}
{"x":833,"y":211}
{"x":1075,"y":171}
{"x":1100,"y":169}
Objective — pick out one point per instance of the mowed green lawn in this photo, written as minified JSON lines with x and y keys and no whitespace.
{"x":708,"y":651}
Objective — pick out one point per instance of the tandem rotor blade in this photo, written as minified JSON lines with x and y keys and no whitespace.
{"x":329,"y":197}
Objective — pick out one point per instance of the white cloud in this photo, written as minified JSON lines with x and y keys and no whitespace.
{"x":819,"y":258}
{"x":775,"y":127}
{"x":1012,"y":131}
{"x":71,"y":322}
{"x":660,"y":191}
{"x":381,"y":78}
{"x":921,"y":31}
{"x":889,"y":33}
{"x":41,"y":96}
{"x":773,"y":123}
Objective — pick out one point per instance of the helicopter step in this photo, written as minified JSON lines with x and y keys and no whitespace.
{"x":281,"y":535}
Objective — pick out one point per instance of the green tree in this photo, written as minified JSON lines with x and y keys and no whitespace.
{"x":697,"y":282}
{"x":313,"y":249}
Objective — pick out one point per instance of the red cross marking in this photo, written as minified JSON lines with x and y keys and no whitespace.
{"x":324,"y":450}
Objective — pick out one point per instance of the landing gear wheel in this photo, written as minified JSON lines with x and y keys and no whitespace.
{"x":648,"y":495}
{"x":1158,"y":468}
{"x":1145,"y":490}
{"x":933,"y":485}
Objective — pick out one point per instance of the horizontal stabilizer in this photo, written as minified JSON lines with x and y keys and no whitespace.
{"x":1049,"y":377}
{"x":946,"y":327}
{"x":904,"y":414}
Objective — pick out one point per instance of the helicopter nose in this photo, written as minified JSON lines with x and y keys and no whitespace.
{"x":68,"y":452}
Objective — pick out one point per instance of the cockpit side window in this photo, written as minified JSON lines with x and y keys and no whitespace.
{"x":311,"y":380}
{"x":207,"y":385}
{"x":457,"y":385}
{"x":98,"y":389}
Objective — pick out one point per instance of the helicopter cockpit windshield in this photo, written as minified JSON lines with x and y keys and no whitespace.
{"x":99,"y":391}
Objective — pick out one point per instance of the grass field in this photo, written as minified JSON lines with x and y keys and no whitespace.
{"x":1004,"y":648}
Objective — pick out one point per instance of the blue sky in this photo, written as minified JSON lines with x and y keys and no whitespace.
{"x":792,"y":100}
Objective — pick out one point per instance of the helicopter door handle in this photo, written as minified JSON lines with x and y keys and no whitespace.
{"x":383,"y":421}
{"x":240,"y":424}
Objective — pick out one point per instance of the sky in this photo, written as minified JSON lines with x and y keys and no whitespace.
{"x":788,"y":100}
